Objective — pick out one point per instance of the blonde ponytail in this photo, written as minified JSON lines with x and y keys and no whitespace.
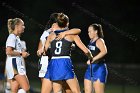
{"x":11,"y":24}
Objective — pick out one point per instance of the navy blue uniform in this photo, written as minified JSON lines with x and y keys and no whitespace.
{"x":99,"y":69}
{"x":60,"y":66}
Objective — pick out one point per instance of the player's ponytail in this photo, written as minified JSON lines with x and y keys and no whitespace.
{"x":62,"y":20}
{"x":11,"y":24}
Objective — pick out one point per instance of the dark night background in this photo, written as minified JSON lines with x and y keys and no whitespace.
{"x":119,"y":19}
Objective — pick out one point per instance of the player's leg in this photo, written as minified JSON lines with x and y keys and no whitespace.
{"x":7,"y":86}
{"x":57,"y":87}
{"x":14,"y":85}
{"x":23,"y":82}
{"x":99,"y":86}
{"x":46,"y":86}
{"x":1,"y":85}
{"x":74,"y":85}
{"x":65,"y":87}
{"x":87,"y":86}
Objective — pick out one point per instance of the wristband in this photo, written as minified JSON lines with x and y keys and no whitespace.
{"x":20,"y":54}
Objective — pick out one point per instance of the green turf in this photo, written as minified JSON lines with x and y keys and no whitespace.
{"x":113,"y":88}
{"x":110,"y":88}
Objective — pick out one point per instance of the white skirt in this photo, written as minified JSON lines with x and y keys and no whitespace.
{"x":43,"y":66}
{"x":15,"y":65}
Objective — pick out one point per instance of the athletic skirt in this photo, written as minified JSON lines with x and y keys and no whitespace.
{"x":43,"y":66}
{"x":99,"y":71}
{"x":14,"y":66}
{"x":60,"y":68}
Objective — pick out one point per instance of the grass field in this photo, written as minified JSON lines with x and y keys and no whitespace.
{"x":110,"y":88}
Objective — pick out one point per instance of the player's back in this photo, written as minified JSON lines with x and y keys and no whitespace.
{"x":60,"y":47}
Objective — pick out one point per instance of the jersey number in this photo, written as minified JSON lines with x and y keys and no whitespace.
{"x":58,"y":47}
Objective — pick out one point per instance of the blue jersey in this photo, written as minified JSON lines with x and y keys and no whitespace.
{"x":60,"y":48}
{"x":60,"y":66}
{"x":99,"y":68}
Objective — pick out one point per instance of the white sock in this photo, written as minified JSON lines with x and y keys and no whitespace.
{"x":7,"y":88}
{"x":59,"y":91}
{"x":21,"y":91}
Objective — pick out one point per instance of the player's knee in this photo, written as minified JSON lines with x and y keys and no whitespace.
{"x":14,"y":89}
{"x":26,"y":88}
{"x":86,"y":90}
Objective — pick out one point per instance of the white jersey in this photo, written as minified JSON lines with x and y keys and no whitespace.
{"x":14,"y":64}
{"x":23,"y":45}
{"x":44,"y":36}
{"x":14,"y":42}
{"x":44,"y":59}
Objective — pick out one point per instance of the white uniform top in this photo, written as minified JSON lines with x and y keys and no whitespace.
{"x":23,"y":45}
{"x":44,"y":35}
{"x":14,"y":42}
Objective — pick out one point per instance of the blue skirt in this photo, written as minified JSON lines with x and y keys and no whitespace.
{"x":60,"y":68}
{"x":99,"y":71}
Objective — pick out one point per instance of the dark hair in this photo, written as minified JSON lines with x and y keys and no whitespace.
{"x":11,"y":24}
{"x":98,"y":27}
{"x":59,"y":18}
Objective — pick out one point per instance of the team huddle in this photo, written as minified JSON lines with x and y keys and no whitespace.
{"x":56,"y":68}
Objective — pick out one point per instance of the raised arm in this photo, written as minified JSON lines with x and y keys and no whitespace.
{"x":74,"y":31}
{"x":48,"y":42}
